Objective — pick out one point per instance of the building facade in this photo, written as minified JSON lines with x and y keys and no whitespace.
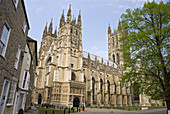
{"x":68,"y":76}
{"x":15,"y":56}
{"x":33,"y":50}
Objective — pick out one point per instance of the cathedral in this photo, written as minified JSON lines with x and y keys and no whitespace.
{"x":68,"y":76}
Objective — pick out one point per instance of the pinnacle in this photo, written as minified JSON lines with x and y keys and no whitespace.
{"x":50,"y":27}
{"x":69,"y":14}
{"x":109,"y":29}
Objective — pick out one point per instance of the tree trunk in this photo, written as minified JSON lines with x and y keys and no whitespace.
{"x":168,"y":105}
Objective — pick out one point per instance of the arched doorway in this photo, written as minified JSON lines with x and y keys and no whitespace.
{"x":108,"y":91}
{"x":101,"y":90}
{"x":76,"y":102}
{"x":39,"y":98}
{"x":93,"y":90}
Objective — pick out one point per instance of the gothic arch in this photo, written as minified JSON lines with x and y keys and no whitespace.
{"x":113,"y":58}
{"x":118,"y":59}
{"x":115,"y":88}
{"x":39,"y":98}
{"x":93,"y":89}
{"x":48,"y":59}
{"x":73,"y":76}
{"x":101,"y":90}
{"x":76,"y":102}
{"x":108,"y":91}
{"x":84,"y":79}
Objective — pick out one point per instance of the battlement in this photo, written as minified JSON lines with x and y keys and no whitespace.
{"x":99,"y":59}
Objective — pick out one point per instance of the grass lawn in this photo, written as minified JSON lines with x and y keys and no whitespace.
{"x":50,"y":111}
{"x":132,"y":108}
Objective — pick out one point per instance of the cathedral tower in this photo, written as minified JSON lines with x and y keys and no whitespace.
{"x":114,"y":45}
{"x":60,"y":63}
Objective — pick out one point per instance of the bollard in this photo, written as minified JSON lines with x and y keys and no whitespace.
{"x":77,"y":109}
{"x":69,"y":110}
{"x":83,"y":108}
{"x":53,"y":111}
{"x":46,"y":112}
{"x":73,"y":110}
{"x":64,"y":111}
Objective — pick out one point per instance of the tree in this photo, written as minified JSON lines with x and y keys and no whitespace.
{"x":146,"y":49}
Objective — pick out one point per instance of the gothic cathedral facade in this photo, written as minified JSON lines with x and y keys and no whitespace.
{"x":68,"y":76}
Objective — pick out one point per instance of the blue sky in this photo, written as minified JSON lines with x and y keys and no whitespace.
{"x":96,"y":16}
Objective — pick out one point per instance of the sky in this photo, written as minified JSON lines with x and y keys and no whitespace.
{"x":96,"y":17}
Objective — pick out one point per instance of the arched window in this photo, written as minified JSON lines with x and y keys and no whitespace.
{"x":84,"y":79}
{"x":47,"y":70}
{"x":48,"y":61}
{"x":120,"y":89}
{"x":73,"y":76}
{"x":93,"y":88}
{"x":118,"y":59}
{"x":113,"y":58}
{"x":101,"y":85}
{"x":108,"y":90}
{"x":101,"y":90}
{"x":115,"y":87}
{"x":71,"y":31}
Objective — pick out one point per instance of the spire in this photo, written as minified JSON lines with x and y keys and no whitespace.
{"x":119,"y":26}
{"x":74,"y":20}
{"x":55,"y":32}
{"x":45,"y":31}
{"x":109,"y":29}
{"x":50,"y":27}
{"x":69,"y":14}
{"x":62,"y":20}
{"x":79,"y":19}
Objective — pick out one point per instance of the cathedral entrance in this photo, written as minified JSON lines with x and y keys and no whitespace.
{"x":76,"y":102}
{"x":39,"y":98}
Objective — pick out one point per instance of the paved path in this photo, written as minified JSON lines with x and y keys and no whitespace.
{"x":108,"y":111}
{"x":116,"y":111}
{"x":32,"y":111}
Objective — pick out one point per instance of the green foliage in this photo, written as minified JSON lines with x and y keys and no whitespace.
{"x":133,"y":108}
{"x":146,"y":48}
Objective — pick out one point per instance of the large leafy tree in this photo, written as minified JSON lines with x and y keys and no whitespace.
{"x":146,"y":49}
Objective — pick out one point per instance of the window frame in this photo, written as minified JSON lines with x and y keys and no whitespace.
{"x":17,"y":57}
{"x":5,"y":101}
{"x":25,"y":80}
{"x":14,"y":81}
{"x":7,"y":39}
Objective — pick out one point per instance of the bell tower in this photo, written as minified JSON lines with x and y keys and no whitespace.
{"x":115,"y":54}
{"x":70,"y":47}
